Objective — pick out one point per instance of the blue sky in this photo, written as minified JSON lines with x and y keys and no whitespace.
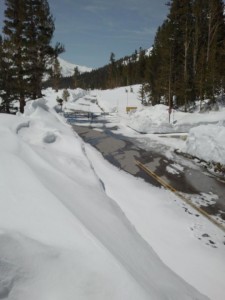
{"x":92,"y":29}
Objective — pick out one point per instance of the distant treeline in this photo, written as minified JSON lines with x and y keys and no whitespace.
{"x":125,"y":71}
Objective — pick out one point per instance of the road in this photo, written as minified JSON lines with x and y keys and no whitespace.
{"x":188,"y":178}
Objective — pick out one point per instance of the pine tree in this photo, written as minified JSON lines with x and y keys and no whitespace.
{"x":160,"y":71}
{"x":181,"y":20}
{"x":188,"y":56}
{"x":1,"y":74}
{"x":215,"y":53}
{"x":141,"y":66}
{"x":14,"y":51}
{"x":56,"y":74}
{"x":65,"y":95}
{"x":112,"y":71}
{"x":143,"y":94}
{"x":75,"y":77}
{"x":200,"y":12}
{"x":39,"y":34}
{"x":27,"y":48}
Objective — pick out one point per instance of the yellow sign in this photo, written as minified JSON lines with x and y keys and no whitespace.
{"x":130,"y":108}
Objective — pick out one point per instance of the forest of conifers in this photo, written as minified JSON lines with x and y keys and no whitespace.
{"x":187,"y":60}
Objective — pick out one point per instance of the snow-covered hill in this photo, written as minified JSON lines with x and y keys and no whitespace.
{"x":68,"y":68}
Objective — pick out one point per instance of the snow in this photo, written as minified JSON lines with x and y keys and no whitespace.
{"x":205,"y":132}
{"x":174,"y":243}
{"x":72,"y":226}
{"x":116,"y":100}
{"x":68,"y":68}
{"x":200,"y":134}
{"x":207,"y":142}
{"x":155,"y":119}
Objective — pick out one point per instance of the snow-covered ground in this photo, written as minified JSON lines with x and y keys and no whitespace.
{"x":72,"y":226}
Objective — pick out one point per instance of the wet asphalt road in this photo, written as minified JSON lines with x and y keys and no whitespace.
{"x":122,"y":152}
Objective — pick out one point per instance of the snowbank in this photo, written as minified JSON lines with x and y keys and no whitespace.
{"x":61,"y":235}
{"x":51,"y":95}
{"x":155,"y":119}
{"x":207,"y":142}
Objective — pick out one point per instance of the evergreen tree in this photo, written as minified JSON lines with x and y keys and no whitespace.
{"x":141,"y":66}
{"x":14,"y":52}
{"x":188,"y":53}
{"x":112,"y":71}
{"x":181,"y":20}
{"x":200,"y":13}
{"x":39,"y":33}
{"x":65,"y":95}
{"x":1,"y":74}
{"x":56,"y":74}
{"x":75,"y":77}
{"x":143,"y":94}
{"x":27,"y":51}
{"x":215,"y":53}
{"x":160,"y":72}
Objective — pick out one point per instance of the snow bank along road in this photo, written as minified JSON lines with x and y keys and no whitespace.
{"x":206,"y":192}
{"x":65,"y":235}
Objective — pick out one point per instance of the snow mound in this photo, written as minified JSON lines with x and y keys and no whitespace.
{"x":35,"y":105}
{"x":153,"y":119}
{"x":74,"y":95}
{"x":207,"y":142}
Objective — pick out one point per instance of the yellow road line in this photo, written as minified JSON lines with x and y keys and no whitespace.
{"x":187,"y":201}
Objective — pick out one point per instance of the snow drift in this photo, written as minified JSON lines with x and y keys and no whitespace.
{"x":61,"y":236}
{"x":207,"y":142}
